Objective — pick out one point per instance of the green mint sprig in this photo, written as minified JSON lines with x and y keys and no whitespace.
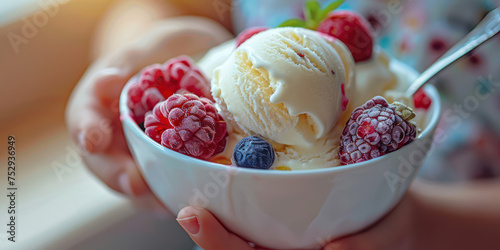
{"x":313,"y":14}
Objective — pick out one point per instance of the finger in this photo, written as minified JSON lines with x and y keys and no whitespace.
{"x":188,"y":35}
{"x":122,"y":175}
{"x":111,"y":167}
{"x":136,"y":182}
{"x":109,"y":83}
{"x":130,"y":180}
{"x":391,"y":232}
{"x":207,"y":231}
{"x":117,"y":168}
{"x":89,"y":120}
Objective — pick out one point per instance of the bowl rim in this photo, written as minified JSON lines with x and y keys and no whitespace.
{"x":128,"y":121}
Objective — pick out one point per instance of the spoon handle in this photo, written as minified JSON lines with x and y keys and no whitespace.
{"x":486,"y":29}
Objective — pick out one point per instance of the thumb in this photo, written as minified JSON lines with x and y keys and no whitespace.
{"x":207,"y":231}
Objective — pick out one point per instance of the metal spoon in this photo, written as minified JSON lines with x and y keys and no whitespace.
{"x":486,"y":29}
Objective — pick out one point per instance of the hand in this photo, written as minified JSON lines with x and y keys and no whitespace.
{"x":395,"y":231}
{"x":92,"y":114}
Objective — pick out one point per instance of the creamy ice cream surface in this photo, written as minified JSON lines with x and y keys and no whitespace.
{"x":373,"y":77}
{"x":284,"y":85}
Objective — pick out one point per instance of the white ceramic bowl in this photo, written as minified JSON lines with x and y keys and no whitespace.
{"x":283,"y":209}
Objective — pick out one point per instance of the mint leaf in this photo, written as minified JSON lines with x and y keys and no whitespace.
{"x":324,"y":12}
{"x":293,"y":23}
{"x":314,"y":15}
{"x":311,"y":12}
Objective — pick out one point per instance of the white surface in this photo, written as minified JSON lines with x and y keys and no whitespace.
{"x":282,"y":209}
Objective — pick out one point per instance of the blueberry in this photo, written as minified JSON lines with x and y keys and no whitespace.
{"x":253,"y":152}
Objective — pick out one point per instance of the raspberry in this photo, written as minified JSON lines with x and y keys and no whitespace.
{"x":375,"y":129}
{"x":421,"y":100}
{"x":246,"y":34}
{"x":353,"y":30}
{"x":187,"y":124}
{"x":157,"y":82}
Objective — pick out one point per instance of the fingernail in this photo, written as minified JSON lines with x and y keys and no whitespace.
{"x":125,"y":185}
{"x":82,"y":143}
{"x":190,"y":224}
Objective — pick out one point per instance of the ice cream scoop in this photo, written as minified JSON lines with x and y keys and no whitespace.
{"x":285,"y":84}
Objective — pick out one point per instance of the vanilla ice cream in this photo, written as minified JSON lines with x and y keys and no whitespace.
{"x":285,"y":85}
{"x":276,"y":85}
{"x":373,"y":77}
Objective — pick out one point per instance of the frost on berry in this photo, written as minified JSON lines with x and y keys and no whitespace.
{"x":187,"y":124}
{"x":158,"y":82}
{"x":374,"y":129}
